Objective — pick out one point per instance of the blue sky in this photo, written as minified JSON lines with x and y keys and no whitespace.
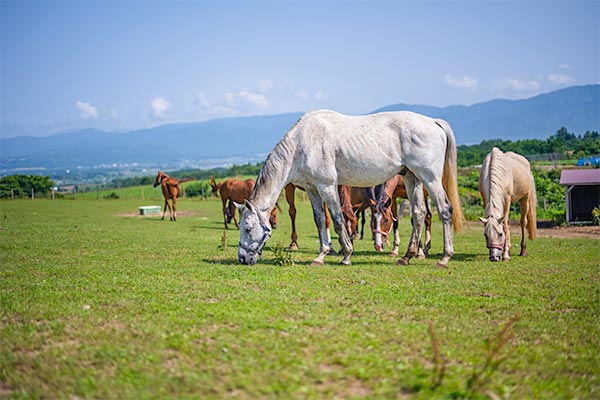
{"x":123,"y":65}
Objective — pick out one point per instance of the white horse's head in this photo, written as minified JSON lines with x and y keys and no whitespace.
{"x":493,"y":230}
{"x":254,"y":232}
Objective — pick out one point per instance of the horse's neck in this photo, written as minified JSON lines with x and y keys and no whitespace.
{"x":390,"y":186}
{"x":274,"y":175}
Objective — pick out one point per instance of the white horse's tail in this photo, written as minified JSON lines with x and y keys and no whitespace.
{"x":450,"y":177}
{"x":531,"y":212}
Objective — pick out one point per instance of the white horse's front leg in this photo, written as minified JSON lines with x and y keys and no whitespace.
{"x":508,"y":245}
{"x":319,"y":217}
{"x":331,"y":196}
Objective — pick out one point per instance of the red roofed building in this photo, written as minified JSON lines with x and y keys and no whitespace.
{"x":583,"y":193}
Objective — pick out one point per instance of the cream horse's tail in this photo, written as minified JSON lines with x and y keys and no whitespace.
{"x":450,"y":177}
{"x":531,"y":211}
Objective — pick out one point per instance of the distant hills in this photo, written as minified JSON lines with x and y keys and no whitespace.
{"x":576,"y":108}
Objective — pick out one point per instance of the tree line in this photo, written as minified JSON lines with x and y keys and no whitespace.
{"x":564,"y":144}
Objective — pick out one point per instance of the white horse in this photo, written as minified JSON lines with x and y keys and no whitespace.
{"x":325,"y":149}
{"x":506,"y":178}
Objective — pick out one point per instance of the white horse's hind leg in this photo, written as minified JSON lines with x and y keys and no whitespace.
{"x":414,"y":189}
{"x":319,"y":216}
{"x":439,"y":197}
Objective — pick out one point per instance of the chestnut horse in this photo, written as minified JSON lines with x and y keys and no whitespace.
{"x":171,"y":190}
{"x":385,"y":216}
{"x":236,"y":191}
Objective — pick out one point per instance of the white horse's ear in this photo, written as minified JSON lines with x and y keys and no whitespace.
{"x":249,"y":206}
{"x":500,"y":220}
{"x":239,"y":206}
{"x":484,"y":220}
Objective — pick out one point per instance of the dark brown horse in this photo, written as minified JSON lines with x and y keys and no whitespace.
{"x":171,"y":190}
{"x":237,"y":191}
{"x":385,"y":215}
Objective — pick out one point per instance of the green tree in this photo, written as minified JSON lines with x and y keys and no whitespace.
{"x":21,"y":185}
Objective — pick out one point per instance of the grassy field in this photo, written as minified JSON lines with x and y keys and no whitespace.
{"x":96,"y":302}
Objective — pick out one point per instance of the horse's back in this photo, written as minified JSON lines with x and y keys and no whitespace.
{"x":369,"y":149}
{"x":521,"y":174}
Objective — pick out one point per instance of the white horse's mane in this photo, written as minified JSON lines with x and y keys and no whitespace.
{"x":498,"y":171}
{"x":274,"y":164}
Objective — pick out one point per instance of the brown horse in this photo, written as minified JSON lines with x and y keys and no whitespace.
{"x":171,"y":190}
{"x":361,"y":199}
{"x":385,"y":216}
{"x":236,"y":191}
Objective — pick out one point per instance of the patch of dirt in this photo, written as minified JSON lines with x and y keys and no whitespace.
{"x":574,"y":231}
{"x":137,"y":214}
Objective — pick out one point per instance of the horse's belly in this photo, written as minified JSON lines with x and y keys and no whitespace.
{"x":366,"y":172}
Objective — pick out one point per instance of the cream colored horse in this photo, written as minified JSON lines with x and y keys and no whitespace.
{"x":506,"y":178}
{"x":325,"y":149}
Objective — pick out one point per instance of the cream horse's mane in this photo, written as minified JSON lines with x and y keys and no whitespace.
{"x":497,"y":175}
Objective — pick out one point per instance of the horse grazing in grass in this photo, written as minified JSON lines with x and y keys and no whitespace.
{"x":385,"y":216}
{"x":234,"y":191}
{"x":325,"y":149}
{"x":506,"y":178}
{"x":171,"y":190}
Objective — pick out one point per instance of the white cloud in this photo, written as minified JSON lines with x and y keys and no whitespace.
{"x":202,"y":101}
{"x":461,"y":82}
{"x":87,"y":110}
{"x":561,"y":79}
{"x":302,"y":94}
{"x":321,"y":96}
{"x":264,"y":96}
{"x":264,"y":85}
{"x":520,"y":86}
{"x":245,"y":99}
{"x":160,"y":106}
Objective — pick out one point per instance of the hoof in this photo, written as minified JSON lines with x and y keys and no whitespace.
{"x":293,"y":246}
{"x":403,"y":261}
{"x":394,"y":253}
{"x":317,"y":264}
{"x":421,"y":256}
{"x":346,"y":262}
{"x":441,"y":264}
{"x":523,"y":254}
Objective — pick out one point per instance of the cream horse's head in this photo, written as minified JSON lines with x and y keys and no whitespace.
{"x":493,"y":230}
{"x":255,"y":230}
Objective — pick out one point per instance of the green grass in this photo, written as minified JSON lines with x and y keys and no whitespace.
{"x":95,"y":303}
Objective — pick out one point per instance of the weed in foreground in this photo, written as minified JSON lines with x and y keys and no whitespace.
{"x":439,"y":363}
{"x":482,"y":375}
{"x":283,"y":257}
{"x":224,"y":241}
{"x":493,"y":359}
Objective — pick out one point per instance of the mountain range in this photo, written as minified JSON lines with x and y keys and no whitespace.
{"x":576,"y":108}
